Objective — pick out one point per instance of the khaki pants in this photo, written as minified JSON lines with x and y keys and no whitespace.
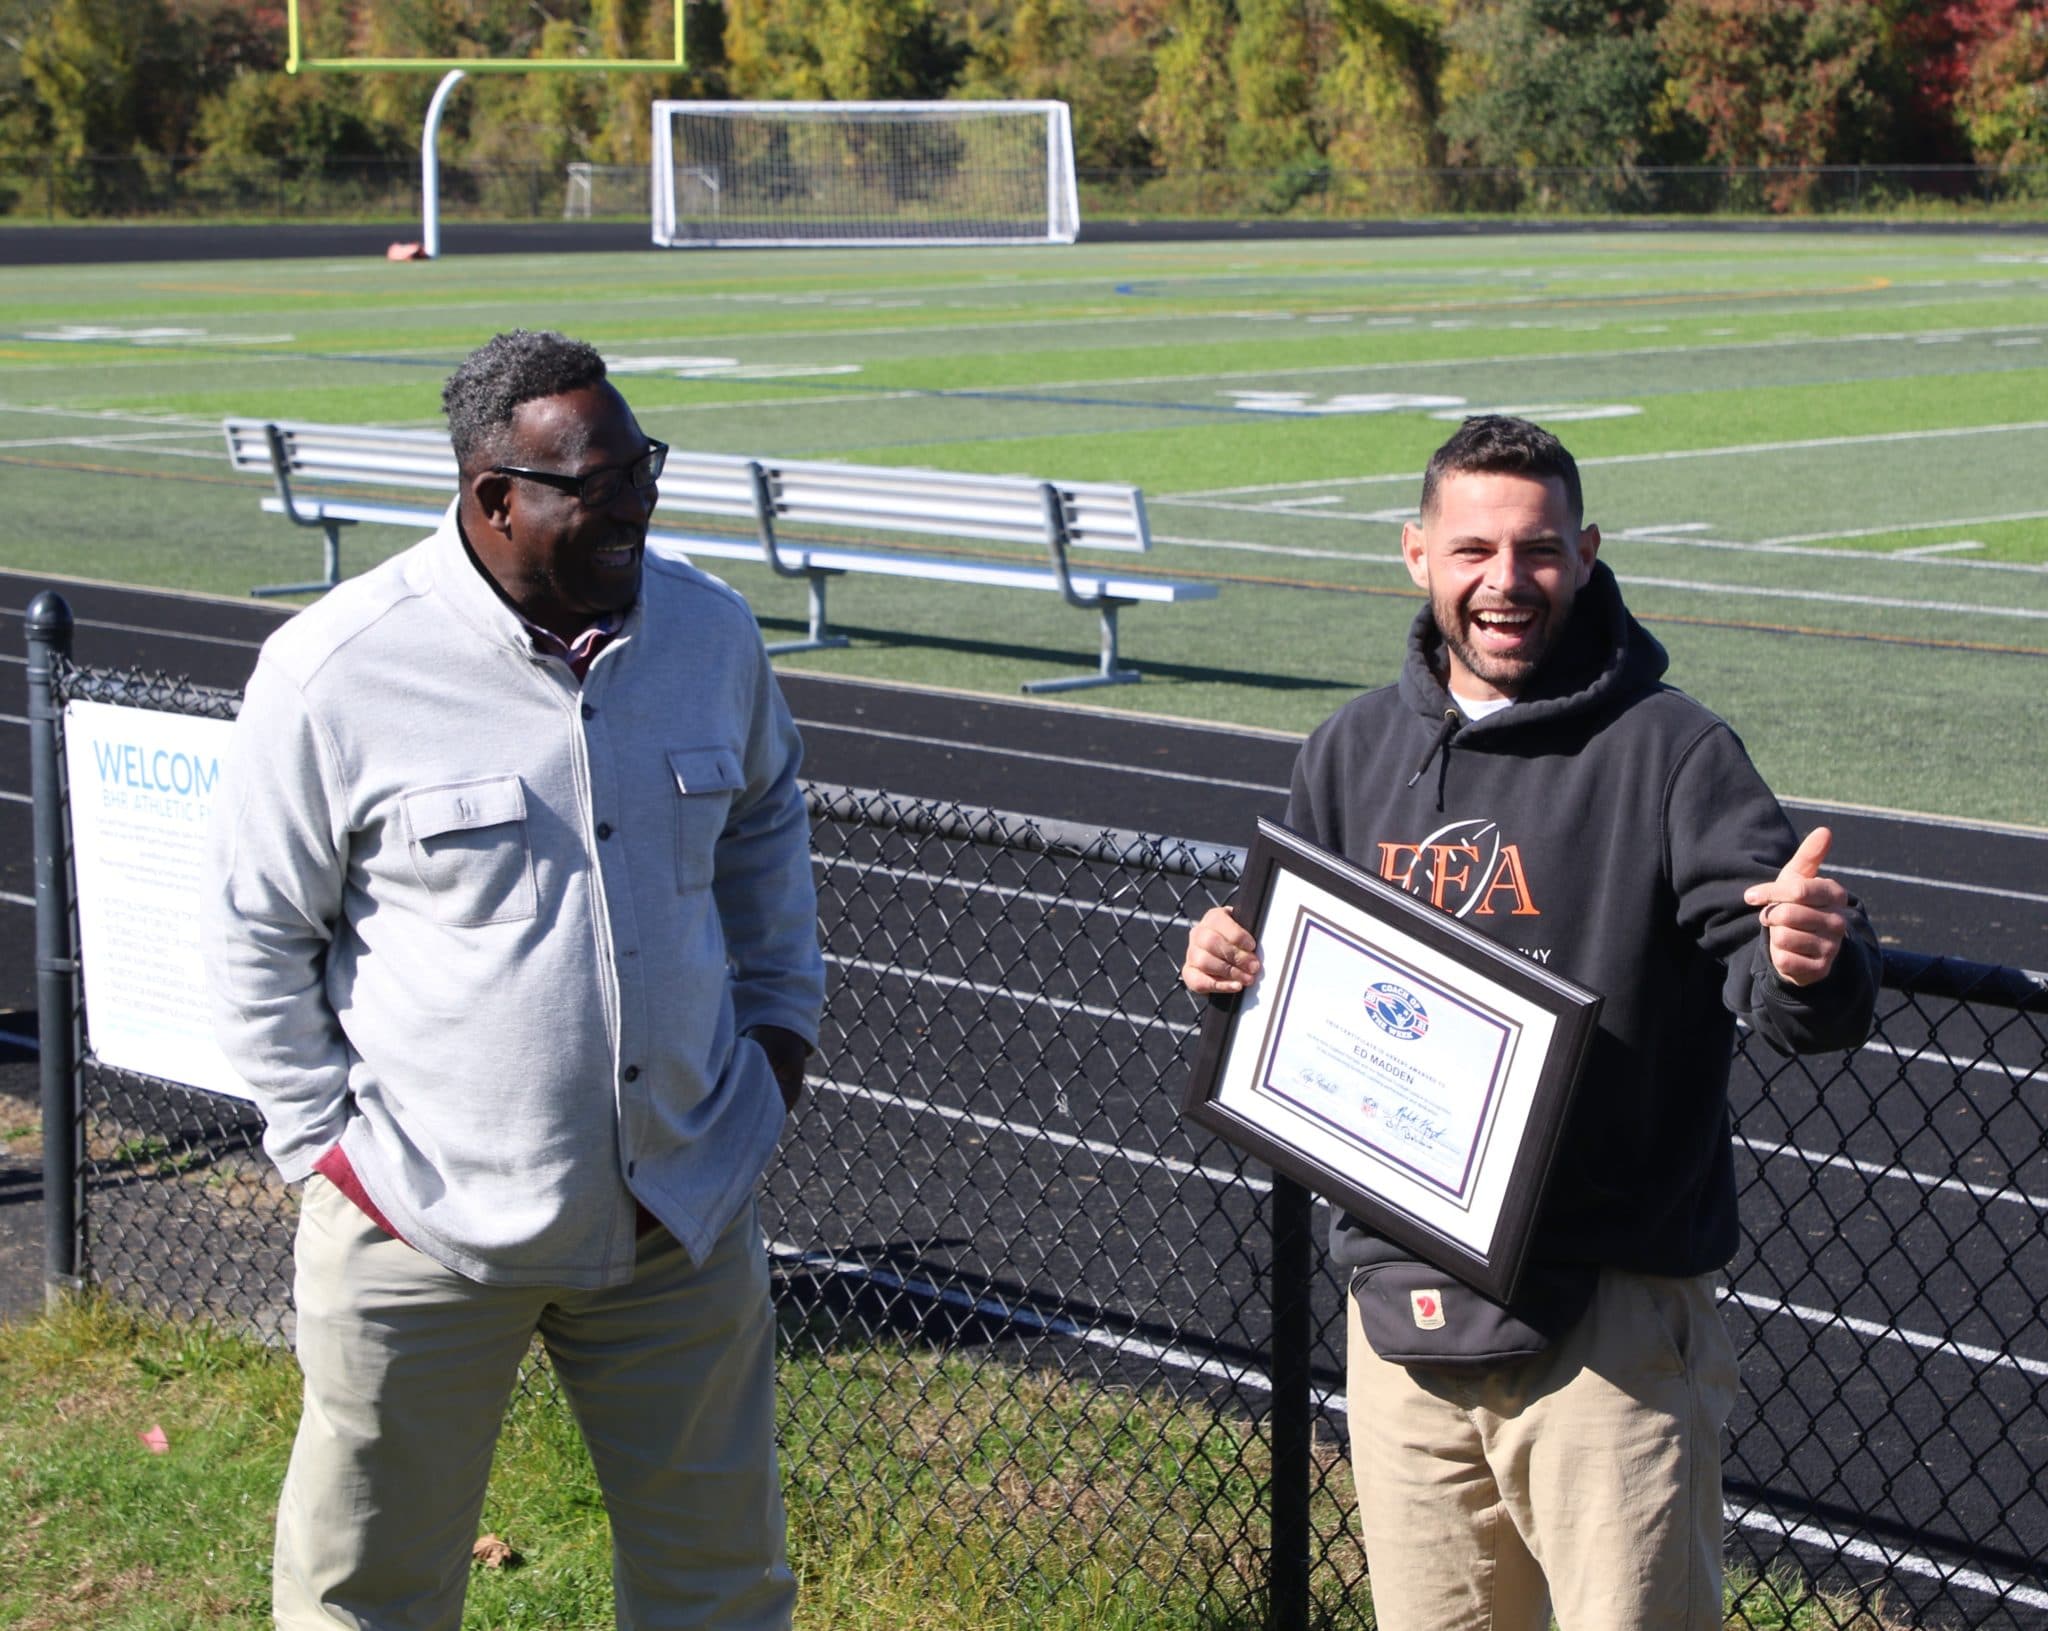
{"x":408,"y":1368}
{"x":1587,"y":1478}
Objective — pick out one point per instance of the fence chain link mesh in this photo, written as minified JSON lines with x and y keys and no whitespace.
{"x":1027,"y":1310}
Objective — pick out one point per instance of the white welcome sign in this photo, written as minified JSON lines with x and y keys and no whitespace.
{"x":141,"y":796}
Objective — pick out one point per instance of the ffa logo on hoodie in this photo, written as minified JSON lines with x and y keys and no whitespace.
{"x":1462,"y":868}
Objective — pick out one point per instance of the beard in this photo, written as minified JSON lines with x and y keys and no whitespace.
{"x":1505,"y":671}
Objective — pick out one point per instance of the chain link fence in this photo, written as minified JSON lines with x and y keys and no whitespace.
{"x":1032,"y":1320}
{"x":287,"y":188}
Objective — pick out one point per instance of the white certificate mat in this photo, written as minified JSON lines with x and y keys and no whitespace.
{"x":1393,"y":1059}
{"x":142,"y":785}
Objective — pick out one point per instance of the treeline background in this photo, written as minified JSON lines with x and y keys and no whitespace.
{"x":1571,"y":97}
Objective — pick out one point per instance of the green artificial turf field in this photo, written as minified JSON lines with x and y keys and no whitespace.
{"x":1820,"y":461}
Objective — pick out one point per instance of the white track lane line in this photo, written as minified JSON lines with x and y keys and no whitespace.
{"x":1941,"y":883}
{"x":1886,"y":1557}
{"x":1988,"y":1193}
{"x":1026,"y":1134}
{"x":1023,"y":999}
{"x":1089,"y":906}
{"x":1956,"y":1068}
{"x":1828,"y":1319}
{"x":1177,"y":1358}
{"x":1039,"y":758}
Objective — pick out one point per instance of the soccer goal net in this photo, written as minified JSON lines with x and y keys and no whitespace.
{"x":762,"y":173}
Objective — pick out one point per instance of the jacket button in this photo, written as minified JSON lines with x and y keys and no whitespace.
{"x":632,"y":1073}
{"x":604,"y":829}
{"x":589,"y":712}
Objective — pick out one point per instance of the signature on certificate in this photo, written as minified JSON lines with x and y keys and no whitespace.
{"x":1411,"y":1126}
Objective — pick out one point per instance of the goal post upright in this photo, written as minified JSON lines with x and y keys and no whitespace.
{"x":1060,"y":183}
{"x":453,"y":70}
{"x":830,"y":174}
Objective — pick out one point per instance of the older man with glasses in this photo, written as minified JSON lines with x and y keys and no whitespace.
{"x":515,"y":941}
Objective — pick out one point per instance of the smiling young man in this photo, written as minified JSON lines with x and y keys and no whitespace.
{"x":515,"y":942}
{"x":1532,"y":774}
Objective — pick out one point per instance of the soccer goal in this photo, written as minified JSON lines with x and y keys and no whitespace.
{"x":782,"y":173}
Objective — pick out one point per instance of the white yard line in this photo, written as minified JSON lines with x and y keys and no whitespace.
{"x":1295,"y":550}
{"x":1670,"y":455}
{"x":112,"y":440}
{"x":1831,"y":597}
{"x":1917,"y":526}
{"x":1632,"y":535}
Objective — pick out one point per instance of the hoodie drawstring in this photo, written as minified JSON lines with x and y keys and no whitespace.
{"x":1449,"y":728}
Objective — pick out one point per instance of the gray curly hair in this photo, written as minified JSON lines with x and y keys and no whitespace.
{"x":504,"y":372}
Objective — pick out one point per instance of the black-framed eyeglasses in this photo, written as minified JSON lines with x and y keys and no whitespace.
{"x":594,"y":489}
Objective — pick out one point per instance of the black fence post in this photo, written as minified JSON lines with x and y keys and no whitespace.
{"x":1293,"y":1417}
{"x":49,"y":642}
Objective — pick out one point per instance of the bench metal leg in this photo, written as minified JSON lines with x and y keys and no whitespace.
{"x":1107,"y":674}
{"x":330,"y":565}
{"x":818,"y":639}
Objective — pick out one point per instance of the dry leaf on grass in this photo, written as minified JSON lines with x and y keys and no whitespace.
{"x":492,"y":1553}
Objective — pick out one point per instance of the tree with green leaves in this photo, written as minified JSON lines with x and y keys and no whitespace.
{"x":1403,"y":45}
{"x":1567,"y":93}
{"x":1188,"y":115}
{"x":839,"y":50}
{"x":1094,"y":55}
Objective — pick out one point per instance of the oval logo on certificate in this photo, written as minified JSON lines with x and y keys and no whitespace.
{"x":1396,"y":1010}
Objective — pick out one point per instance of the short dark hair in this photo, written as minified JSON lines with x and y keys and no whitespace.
{"x":503,"y":373}
{"x":1497,"y":444}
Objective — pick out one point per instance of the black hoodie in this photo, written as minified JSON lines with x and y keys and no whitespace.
{"x":1605,"y":825}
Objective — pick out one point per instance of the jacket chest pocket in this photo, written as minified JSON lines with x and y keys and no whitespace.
{"x":469,"y":847}
{"x":705,"y":781}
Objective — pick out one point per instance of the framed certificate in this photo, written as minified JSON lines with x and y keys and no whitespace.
{"x":1390,"y":1058}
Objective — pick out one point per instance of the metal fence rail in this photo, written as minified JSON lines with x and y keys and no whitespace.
{"x":1029,"y":1316}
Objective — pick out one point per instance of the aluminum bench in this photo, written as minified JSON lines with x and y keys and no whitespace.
{"x":858,"y":501}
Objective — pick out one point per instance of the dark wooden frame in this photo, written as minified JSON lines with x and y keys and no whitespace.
{"x":1366,"y":901}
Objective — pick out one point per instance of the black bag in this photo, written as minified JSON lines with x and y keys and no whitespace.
{"x":1416,"y":1314}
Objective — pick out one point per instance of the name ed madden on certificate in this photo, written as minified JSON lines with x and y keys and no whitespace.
{"x":1386,"y":1060}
